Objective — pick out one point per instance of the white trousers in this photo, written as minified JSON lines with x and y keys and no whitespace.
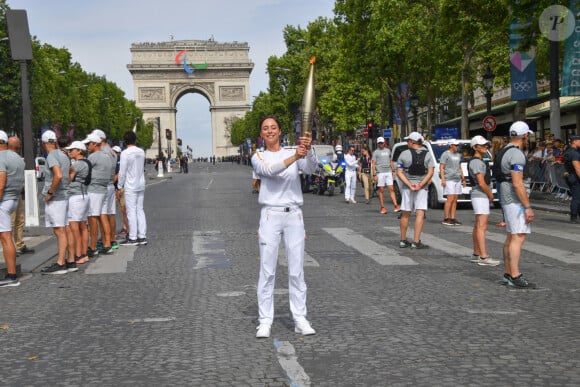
{"x":275,"y":223}
{"x":135,"y":214}
{"x":350,"y":180}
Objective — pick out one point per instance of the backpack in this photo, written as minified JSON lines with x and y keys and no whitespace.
{"x":88,"y":178}
{"x":496,"y":172}
{"x":472,"y":179}
{"x":417,"y":167}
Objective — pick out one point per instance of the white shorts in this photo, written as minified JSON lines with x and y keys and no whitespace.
{"x":480,"y":206}
{"x":109,"y":207}
{"x":452,"y":187}
{"x":384,"y":178}
{"x":55,"y":212}
{"x":515,"y":219}
{"x":78,"y":208}
{"x":414,"y":200}
{"x":96,"y":201}
{"x":7,"y":207}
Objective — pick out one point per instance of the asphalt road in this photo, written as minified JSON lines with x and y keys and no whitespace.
{"x":182,"y":310}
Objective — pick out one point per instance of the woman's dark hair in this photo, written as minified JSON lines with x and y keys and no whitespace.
{"x":63,"y":141}
{"x":272,"y":117}
{"x":130,"y":137}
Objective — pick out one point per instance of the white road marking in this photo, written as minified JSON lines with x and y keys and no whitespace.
{"x":289,"y":361}
{"x":231,"y":294}
{"x":566,"y":256}
{"x":209,"y":184}
{"x":114,"y":263}
{"x":438,"y":243}
{"x":148,"y":320}
{"x":208,"y":248}
{"x":383,"y":255}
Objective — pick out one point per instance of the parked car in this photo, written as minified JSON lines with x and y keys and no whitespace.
{"x":39,"y":163}
{"x":436,"y":149}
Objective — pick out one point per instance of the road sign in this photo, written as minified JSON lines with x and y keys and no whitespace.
{"x":489,"y":123}
{"x":387,"y":133}
{"x":365,"y":132}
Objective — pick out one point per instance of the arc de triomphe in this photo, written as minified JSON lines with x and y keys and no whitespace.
{"x":163,"y":72}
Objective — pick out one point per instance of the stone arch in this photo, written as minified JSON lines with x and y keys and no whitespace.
{"x":164,"y":72}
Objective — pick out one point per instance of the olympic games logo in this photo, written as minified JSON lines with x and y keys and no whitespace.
{"x":522,"y":87}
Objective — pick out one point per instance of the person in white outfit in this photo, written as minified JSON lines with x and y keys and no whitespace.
{"x":350,"y":175}
{"x":281,"y":214}
{"x":131,"y":179}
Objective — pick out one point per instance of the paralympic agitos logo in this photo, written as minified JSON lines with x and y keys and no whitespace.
{"x":181,"y":58}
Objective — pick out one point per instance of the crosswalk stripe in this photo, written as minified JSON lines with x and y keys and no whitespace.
{"x":438,"y":243}
{"x":536,"y":248}
{"x":381,"y":254}
{"x":209,"y":249}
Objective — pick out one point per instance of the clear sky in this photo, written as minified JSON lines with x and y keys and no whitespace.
{"x":99,"y":33}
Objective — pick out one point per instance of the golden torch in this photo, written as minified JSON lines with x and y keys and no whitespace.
{"x":308,"y":103}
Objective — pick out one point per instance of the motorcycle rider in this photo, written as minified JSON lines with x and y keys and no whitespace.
{"x":339,"y":158}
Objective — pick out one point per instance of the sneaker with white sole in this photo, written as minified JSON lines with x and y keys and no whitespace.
{"x":263,"y":331}
{"x":9,"y":281}
{"x":475,"y":258}
{"x":55,"y":268}
{"x":487,"y":261}
{"x":303,"y":327}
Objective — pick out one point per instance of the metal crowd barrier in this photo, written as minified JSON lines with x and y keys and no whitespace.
{"x":548,"y":177}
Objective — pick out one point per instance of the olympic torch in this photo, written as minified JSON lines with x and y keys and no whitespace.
{"x":308,"y":103}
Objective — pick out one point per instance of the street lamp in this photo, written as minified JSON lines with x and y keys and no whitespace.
{"x":488,"y":78}
{"x":414,"y":101}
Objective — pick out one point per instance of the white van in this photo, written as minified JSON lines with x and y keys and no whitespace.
{"x":436,"y":149}
{"x":39,"y":167}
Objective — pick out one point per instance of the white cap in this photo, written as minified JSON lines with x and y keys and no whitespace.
{"x":48,"y":136}
{"x":478,"y":140}
{"x":3,"y":136}
{"x":380,"y":139}
{"x":415,"y":137}
{"x":453,"y":141}
{"x":116,"y":148}
{"x":92,"y":138}
{"x":76,"y":145}
{"x":99,"y":133}
{"x":519,"y":128}
{"x":338,"y":148}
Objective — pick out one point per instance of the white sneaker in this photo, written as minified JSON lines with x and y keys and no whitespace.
{"x":353,"y":201}
{"x":304,"y":328}
{"x":263,"y":331}
{"x":488,"y":261}
{"x":475,"y":258}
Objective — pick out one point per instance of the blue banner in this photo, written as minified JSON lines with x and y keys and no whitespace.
{"x":446,"y":132}
{"x":571,"y":63}
{"x":522,"y":67}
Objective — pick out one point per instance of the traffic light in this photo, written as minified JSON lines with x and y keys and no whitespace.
{"x":168,"y":134}
{"x":372,"y":130}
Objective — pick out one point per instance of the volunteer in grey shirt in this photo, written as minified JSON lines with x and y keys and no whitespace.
{"x":481,"y":199}
{"x":452,"y":180}
{"x":382,"y":170}
{"x":78,"y":201}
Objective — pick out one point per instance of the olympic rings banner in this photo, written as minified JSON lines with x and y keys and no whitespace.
{"x":522,"y":67}
{"x":571,"y":64}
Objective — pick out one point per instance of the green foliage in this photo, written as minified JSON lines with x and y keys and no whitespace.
{"x":64,"y":96}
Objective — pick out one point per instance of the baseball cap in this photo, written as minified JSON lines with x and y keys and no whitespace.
{"x":574,"y":137}
{"x":116,"y":148}
{"x":519,"y":128}
{"x":478,"y":140}
{"x":99,"y":133}
{"x":76,"y":145}
{"x":3,"y":136}
{"x":48,"y":136}
{"x":453,"y":141}
{"x":92,"y":138}
{"x":414,"y":136}
{"x":380,"y":139}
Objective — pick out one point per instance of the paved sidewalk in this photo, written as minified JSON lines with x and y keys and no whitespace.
{"x":548,"y":202}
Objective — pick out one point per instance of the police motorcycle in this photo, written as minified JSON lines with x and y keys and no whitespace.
{"x":328,"y":176}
